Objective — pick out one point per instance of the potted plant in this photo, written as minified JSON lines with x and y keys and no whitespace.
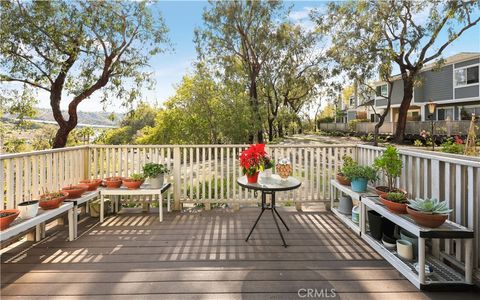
{"x":52,"y":200}
{"x":75,"y":191}
{"x":251,"y":161}
{"x":395,"y":201}
{"x":134,"y":181}
{"x":360,"y":176}
{"x":28,"y":209}
{"x":156,"y":173}
{"x":113,"y":182}
{"x":347,"y":161}
{"x":428,"y":212}
{"x":268,"y":164}
{"x":92,"y":184}
{"x":7,"y":216}
{"x":391,"y":166}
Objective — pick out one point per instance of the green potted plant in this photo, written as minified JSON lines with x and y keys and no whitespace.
{"x":395,"y":202}
{"x":268,"y":164}
{"x":134,"y":181}
{"x":347,"y":161}
{"x":360,"y":176}
{"x":52,"y":200}
{"x":391,"y":166}
{"x":428,"y":212}
{"x":156,"y":173}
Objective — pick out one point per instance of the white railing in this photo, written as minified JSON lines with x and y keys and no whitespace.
{"x":453,"y":178}
{"x":208,"y":173}
{"x":27,"y":175}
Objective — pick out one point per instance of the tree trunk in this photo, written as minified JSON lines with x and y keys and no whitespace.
{"x":402,"y":114}
{"x":280,"y":130}
{"x":61,"y":137}
{"x":270,"y":129}
{"x":254,"y":103}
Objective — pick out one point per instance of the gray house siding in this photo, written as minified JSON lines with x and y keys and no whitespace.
{"x":397,"y":93}
{"x":380,"y":102}
{"x":418,"y":94}
{"x":437,"y":85}
{"x":466,"y":92}
{"x":467,"y":63}
{"x":351,"y":115}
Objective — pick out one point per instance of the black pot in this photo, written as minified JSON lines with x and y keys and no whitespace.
{"x":375,"y":224}
{"x":388,"y":227}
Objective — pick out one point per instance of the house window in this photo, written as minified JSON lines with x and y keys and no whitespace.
{"x":466,"y":112}
{"x":382,"y":90}
{"x":444,"y":113}
{"x":352,"y":101}
{"x":466,"y":76}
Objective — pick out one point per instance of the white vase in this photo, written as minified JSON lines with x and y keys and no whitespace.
{"x":157,"y":182}
{"x":28,"y":209}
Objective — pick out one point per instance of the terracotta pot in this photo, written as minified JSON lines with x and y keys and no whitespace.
{"x":427,"y":220}
{"x":132,"y":184}
{"x":398,"y":208}
{"x":383,"y":190}
{"x":75,"y":191}
{"x":52,"y":203}
{"x":342,"y":179}
{"x":113,"y":182}
{"x":93,"y":184}
{"x":252,"y":178}
{"x":6,"y":221}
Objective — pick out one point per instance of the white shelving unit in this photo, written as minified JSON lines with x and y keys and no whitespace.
{"x":335,"y":189}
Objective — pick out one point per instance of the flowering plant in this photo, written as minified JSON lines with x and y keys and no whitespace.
{"x":252,"y":159}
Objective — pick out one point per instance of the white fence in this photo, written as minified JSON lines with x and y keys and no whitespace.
{"x":208,"y":173}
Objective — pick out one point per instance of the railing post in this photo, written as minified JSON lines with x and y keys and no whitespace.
{"x":176,"y":178}
{"x":86,"y":162}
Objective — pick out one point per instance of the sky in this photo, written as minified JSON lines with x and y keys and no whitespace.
{"x":182,"y":17}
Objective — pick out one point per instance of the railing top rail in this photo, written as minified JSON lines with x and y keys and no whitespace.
{"x":224,"y":146}
{"x":40,"y":152}
{"x":423,"y":154}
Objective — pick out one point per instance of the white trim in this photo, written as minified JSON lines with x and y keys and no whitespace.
{"x":460,"y":100}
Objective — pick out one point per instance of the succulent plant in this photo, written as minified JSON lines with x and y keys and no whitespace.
{"x":397,"y":197}
{"x":430,"y":206}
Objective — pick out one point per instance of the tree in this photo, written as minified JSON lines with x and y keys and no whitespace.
{"x":75,"y":49}
{"x":291,"y":73}
{"x":237,"y":36}
{"x":392,"y":28}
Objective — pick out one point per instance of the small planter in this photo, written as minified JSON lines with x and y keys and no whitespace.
{"x":389,"y":242}
{"x":359,"y":185}
{"x":356,"y":214}
{"x":388,"y":227}
{"x":157,"y":182}
{"x":92,"y":184}
{"x":342,"y":179}
{"x":345,"y":205}
{"x":398,"y":208}
{"x":113,"y":182}
{"x":405,"y":249}
{"x":28,"y":209}
{"x":410,"y":237}
{"x":132,"y":184}
{"x":427,"y":220}
{"x":375,"y":224}
{"x":75,"y":191}
{"x":7,"y":216}
{"x":382,"y":191}
{"x":52,"y":200}
{"x":252,"y":178}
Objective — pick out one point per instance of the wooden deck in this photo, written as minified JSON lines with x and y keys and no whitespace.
{"x":203,"y":255}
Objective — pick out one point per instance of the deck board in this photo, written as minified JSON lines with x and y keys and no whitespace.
{"x":203,"y":255}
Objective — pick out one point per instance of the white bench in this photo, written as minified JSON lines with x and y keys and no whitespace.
{"x":84,"y":199}
{"x":20,"y":226}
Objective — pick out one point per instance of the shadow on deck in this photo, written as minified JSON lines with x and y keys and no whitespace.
{"x":203,"y":255}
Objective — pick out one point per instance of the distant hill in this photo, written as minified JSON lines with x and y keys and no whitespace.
{"x":91,"y":118}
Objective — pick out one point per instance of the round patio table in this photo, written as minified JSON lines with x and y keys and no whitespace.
{"x":269,"y":186}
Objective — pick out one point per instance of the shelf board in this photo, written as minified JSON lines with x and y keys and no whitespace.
{"x":447,"y":230}
{"x":347,"y":219}
{"x":442,"y":274}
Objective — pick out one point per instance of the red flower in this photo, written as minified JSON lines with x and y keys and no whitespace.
{"x":458,"y":140}
{"x":251,"y":159}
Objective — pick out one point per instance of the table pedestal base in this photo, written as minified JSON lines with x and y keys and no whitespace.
{"x":274,"y":211}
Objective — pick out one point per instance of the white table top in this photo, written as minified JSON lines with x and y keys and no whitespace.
{"x":273,"y":183}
